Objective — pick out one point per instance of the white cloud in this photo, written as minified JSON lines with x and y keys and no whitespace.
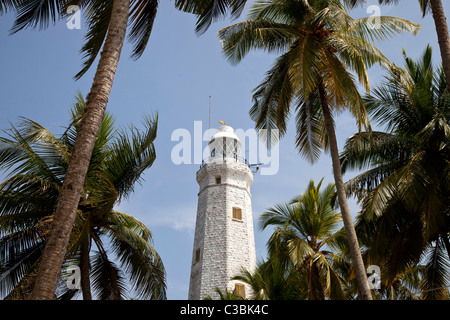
{"x":180,"y":217}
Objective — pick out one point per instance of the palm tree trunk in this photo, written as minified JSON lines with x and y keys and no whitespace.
{"x":358,"y":264}
{"x":443,"y":36}
{"x":84,"y":270}
{"x":56,"y":245}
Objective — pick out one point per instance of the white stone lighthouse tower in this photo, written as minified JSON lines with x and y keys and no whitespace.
{"x":224,"y":240}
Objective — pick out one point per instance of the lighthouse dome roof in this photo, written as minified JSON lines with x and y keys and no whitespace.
{"x":225,"y":144}
{"x":225,"y":132}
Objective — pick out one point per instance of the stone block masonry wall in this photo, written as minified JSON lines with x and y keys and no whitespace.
{"x":241,"y":241}
{"x":226,"y":245}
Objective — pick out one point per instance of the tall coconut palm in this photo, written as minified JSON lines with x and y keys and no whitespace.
{"x":321,"y":46}
{"x":309,"y":227}
{"x":440,"y":21}
{"x":107,"y":27}
{"x":108,"y":21}
{"x":404,"y":192}
{"x":36,"y":162}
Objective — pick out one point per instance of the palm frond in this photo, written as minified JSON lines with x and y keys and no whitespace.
{"x":436,"y":279}
{"x":238,"y":39}
{"x":98,"y":15}
{"x":22,"y":290}
{"x":344,"y":91}
{"x":138,"y":258}
{"x":385,"y":27}
{"x":142,"y":16}
{"x":311,"y":138}
{"x":18,"y":253}
{"x":271,"y":102}
{"x":209,"y":11}
{"x":285,"y":12}
{"x":34,"y":13}
{"x":6,"y":5}
{"x":365,"y":150}
{"x":130,"y":154}
{"x":107,"y":280}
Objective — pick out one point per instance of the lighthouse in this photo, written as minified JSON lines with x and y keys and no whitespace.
{"x":224,"y":241}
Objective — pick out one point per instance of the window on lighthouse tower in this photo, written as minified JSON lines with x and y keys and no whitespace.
{"x":237,"y":213}
{"x":240,"y":289}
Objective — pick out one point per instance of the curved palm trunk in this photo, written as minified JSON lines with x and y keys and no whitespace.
{"x":56,"y":245}
{"x":443,"y":36}
{"x":84,"y":271}
{"x":358,"y":264}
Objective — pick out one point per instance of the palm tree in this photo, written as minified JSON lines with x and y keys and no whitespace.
{"x":307,"y":228}
{"x":107,"y":27}
{"x":37,"y":162}
{"x":440,"y":21}
{"x":108,"y":21}
{"x":404,"y":192}
{"x":321,"y":45}
{"x":275,"y":279}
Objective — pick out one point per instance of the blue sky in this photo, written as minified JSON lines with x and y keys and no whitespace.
{"x":175,"y":77}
